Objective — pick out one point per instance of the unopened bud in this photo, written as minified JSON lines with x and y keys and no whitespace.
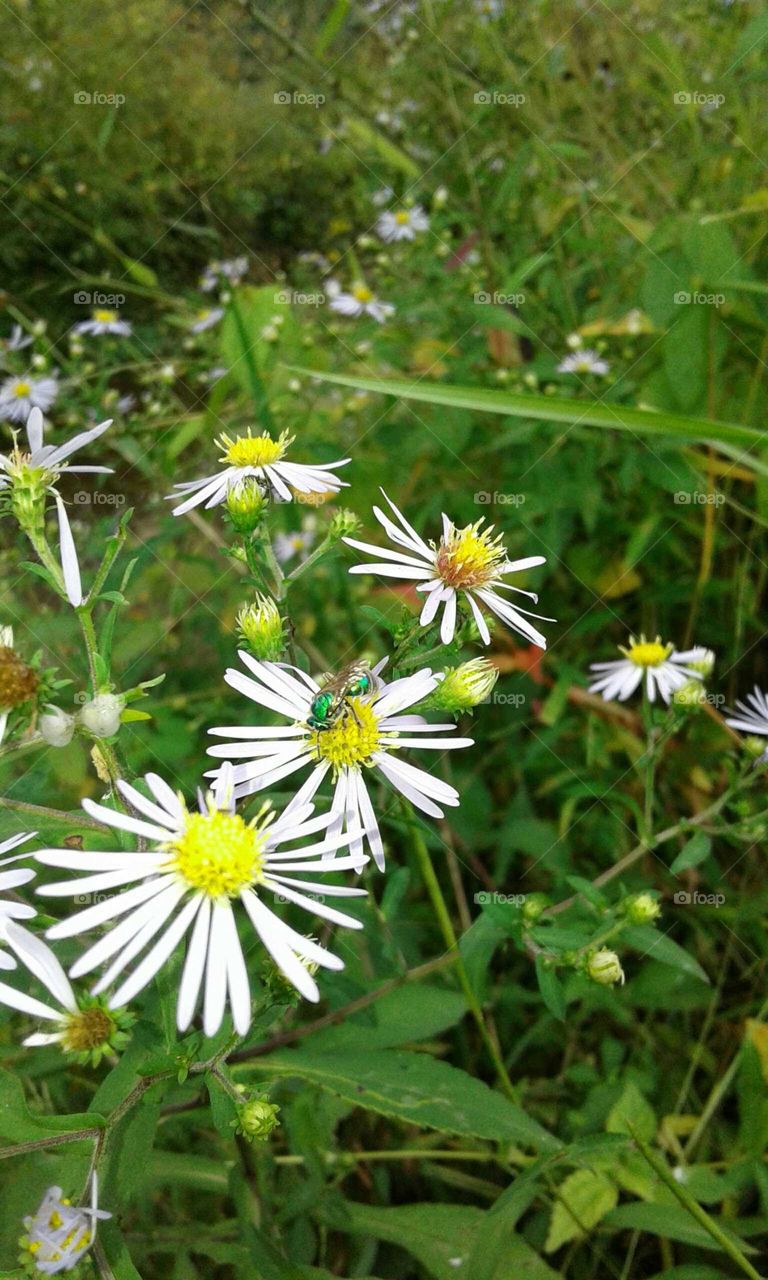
{"x":690,"y":694}
{"x":101,"y":716}
{"x":261,"y":627}
{"x":245,"y":503}
{"x":702,"y":660}
{"x":343,"y":524}
{"x":534,"y":906}
{"x":463,"y":687}
{"x":56,"y":726}
{"x":643,"y":908}
{"x":604,"y":966}
{"x":257,"y":1119}
{"x":755,"y":747}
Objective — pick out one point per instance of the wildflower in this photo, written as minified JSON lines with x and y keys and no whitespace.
{"x":10,"y":910}
{"x":230,"y":269}
{"x":467,"y":564}
{"x":604,"y":967}
{"x":18,"y":396}
{"x":17,"y":341}
{"x":658,"y":665}
{"x":402,"y":224}
{"x":299,"y":543}
{"x":206,"y":319}
{"x":584,"y":360}
{"x":359,"y":301}
{"x":751,"y":716}
{"x":104,"y":321}
{"x":642,"y":908}
{"x":59,"y":1234}
{"x":202,"y":864}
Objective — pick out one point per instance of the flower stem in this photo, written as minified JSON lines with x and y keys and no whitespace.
{"x":442,"y":913}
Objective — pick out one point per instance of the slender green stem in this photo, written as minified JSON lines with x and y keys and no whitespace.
{"x":46,"y":814}
{"x":258,"y":392}
{"x":442,"y":913}
{"x":681,"y":1193}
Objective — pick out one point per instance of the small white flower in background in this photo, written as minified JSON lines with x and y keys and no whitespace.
{"x":365,"y":741}
{"x":382,"y":196}
{"x":17,"y":341}
{"x":659,"y":666}
{"x":104,"y":321}
{"x":299,"y":543}
{"x":39,"y":470}
{"x":59,"y":1234}
{"x":751,"y":715}
{"x":701,"y":660}
{"x":584,"y":360}
{"x":56,"y":726}
{"x":125,"y":404}
{"x":230,"y":269}
{"x":467,"y":564}
{"x":18,"y":396}
{"x":402,"y":224}
{"x":360,"y":301}
{"x":101,"y":715}
{"x":487,"y":10}
{"x":206,"y":319}
{"x":10,"y":911}
{"x":202,"y":865}
{"x":262,"y":458}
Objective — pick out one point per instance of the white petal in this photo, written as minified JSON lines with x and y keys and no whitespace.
{"x":69,"y":565}
{"x":276,"y":939}
{"x":27,"y":1004}
{"x":41,"y":961}
{"x":194,"y":967}
{"x":156,"y":958}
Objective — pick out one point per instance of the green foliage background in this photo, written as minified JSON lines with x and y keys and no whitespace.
{"x":599,"y":195}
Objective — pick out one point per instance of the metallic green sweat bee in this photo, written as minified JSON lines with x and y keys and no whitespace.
{"x":353,"y":681}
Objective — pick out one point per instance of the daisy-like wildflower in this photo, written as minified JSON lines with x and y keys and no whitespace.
{"x":18,"y":396}
{"x":18,"y":681}
{"x":488,"y":10}
{"x":9,"y":910}
{"x":751,"y":715}
{"x":17,"y":341}
{"x":584,"y":361}
{"x":26,"y":478}
{"x":59,"y":1233}
{"x":298,"y":543}
{"x":359,"y":301}
{"x":402,"y":224}
{"x":366,"y":737}
{"x":206,"y":319}
{"x":203,"y":865}
{"x":230,"y":269}
{"x":658,"y":666}
{"x":262,"y":458}
{"x":103,"y":320}
{"x":467,"y":564}
{"x":85,"y":1027}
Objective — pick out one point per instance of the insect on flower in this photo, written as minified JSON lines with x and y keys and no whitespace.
{"x":353,"y":681}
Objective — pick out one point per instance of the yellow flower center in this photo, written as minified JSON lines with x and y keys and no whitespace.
{"x":362,"y":293}
{"x":253,"y":451}
{"x":21,"y":389}
{"x":220,"y":854}
{"x":352,"y":740}
{"x":87,"y":1029}
{"x":470,"y":557}
{"x":105,"y":317}
{"x":647,"y":653}
{"x":402,"y":217}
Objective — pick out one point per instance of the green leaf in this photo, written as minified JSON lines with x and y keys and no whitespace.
{"x":633,"y":1110}
{"x":116,"y":1251}
{"x":647,"y":940}
{"x":667,"y":1221}
{"x":18,"y":1124}
{"x":414,"y":1088}
{"x":410,"y":1014}
{"x":551,"y":988}
{"x":588,"y":413}
{"x":583,"y":1200}
{"x":696,"y":850}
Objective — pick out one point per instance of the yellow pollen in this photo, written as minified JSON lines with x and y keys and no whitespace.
{"x":647,"y":653}
{"x":105,"y":317}
{"x":470,"y":557}
{"x":21,"y":389}
{"x":352,"y":739}
{"x":403,"y":217}
{"x":220,"y":854}
{"x":253,"y":451}
{"x":362,"y":293}
{"x":87,"y":1029}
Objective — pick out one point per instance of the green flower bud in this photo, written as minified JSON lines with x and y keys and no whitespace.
{"x":690,"y":694}
{"x":642,"y":908}
{"x":754,"y":746}
{"x":261,"y":627}
{"x":604,"y":967}
{"x":703,"y":661}
{"x":256,"y":1119}
{"x":534,"y":906}
{"x":246,"y":503}
{"x":343,"y":523}
{"x":463,"y":687}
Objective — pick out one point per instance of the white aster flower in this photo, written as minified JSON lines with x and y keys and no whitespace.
{"x":230,"y":269}
{"x":260,"y":457}
{"x":104,"y":321}
{"x":367,"y":739}
{"x":382,"y":196}
{"x":59,"y":1234}
{"x":17,"y":341}
{"x":9,"y":910}
{"x":18,"y":396}
{"x":38,"y":471}
{"x":467,"y":564}
{"x":206,"y":319}
{"x":202,"y":866}
{"x":584,"y":361}
{"x":298,"y":543}
{"x":658,"y":665}
{"x":359,"y":301}
{"x":402,"y":224}
{"x":751,"y":716}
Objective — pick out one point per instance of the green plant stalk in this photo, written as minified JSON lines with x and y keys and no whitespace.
{"x":680,"y":1192}
{"x":442,"y":913}
{"x":258,"y":392}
